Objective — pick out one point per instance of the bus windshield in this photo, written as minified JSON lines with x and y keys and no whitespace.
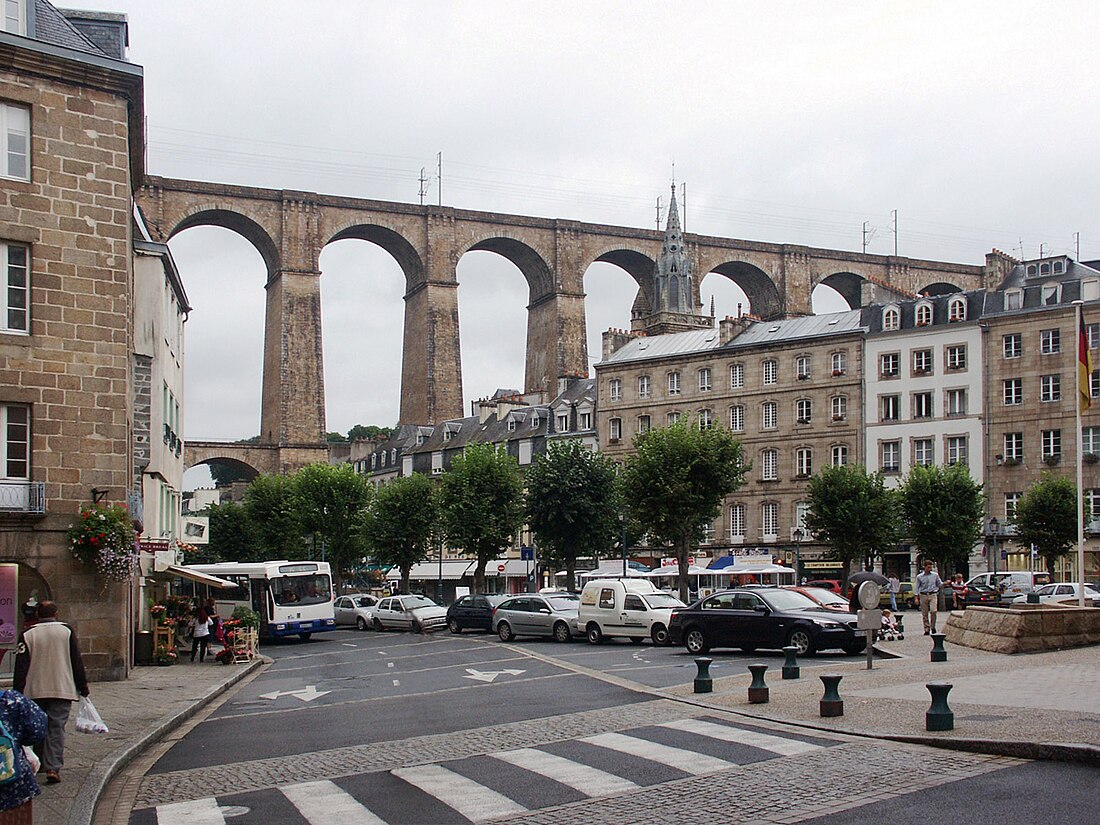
{"x":288,"y":590}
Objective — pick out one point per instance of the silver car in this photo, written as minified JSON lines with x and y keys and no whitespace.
{"x":416,"y":613}
{"x":356,"y":609}
{"x":534,"y":614}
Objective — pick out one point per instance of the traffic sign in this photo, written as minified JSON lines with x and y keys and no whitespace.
{"x":500,"y":568}
{"x":527,"y":553}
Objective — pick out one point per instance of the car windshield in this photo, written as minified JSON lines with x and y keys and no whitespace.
{"x":824,"y":596}
{"x":288,"y":590}
{"x":659,"y":600}
{"x":562,"y":602}
{"x":788,"y":600}
{"x":364,"y":601}
{"x":413,"y":602}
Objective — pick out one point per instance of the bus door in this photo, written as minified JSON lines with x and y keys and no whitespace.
{"x":259,"y":599}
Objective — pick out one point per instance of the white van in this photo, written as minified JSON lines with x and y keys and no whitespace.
{"x":1013,"y":581}
{"x":632,"y":608}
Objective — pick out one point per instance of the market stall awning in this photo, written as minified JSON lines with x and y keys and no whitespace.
{"x":674,"y":570}
{"x":512,"y":567}
{"x":609,"y":571}
{"x":201,"y":578}
{"x":453,"y":569}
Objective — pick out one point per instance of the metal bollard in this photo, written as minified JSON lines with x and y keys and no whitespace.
{"x":939,"y":654}
{"x":831,"y":703}
{"x":939,"y":716}
{"x":703,"y":682}
{"x":758,"y":691}
{"x":791,"y":670}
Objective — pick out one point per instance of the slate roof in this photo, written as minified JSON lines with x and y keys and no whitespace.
{"x":50,"y":26}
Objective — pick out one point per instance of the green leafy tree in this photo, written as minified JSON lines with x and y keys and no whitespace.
{"x":481,"y":504}
{"x":334,"y":438}
{"x":676,"y":480}
{"x":231,"y":534}
{"x":332,"y":501}
{"x":402,"y":522}
{"x":853,"y":513}
{"x":1046,"y":518}
{"x":271,"y":502}
{"x":360,"y":431}
{"x":944,"y":509}
{"x":225,"y":473}
{"x":572,"y":503}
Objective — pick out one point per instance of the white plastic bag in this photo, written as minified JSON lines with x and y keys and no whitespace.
{"x":88,"y":719}
{"x":32,"y":759}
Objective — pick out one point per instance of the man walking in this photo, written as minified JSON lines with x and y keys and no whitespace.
{"x":929,"y":584}
{"x":49,"y":670}
{"x":894,"y":587}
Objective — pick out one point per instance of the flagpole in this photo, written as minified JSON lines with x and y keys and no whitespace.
{"x":1082,"y":359}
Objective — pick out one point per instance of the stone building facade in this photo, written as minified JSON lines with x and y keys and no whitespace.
{"x":72,"y":119}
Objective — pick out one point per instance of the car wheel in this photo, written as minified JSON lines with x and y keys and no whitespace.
{"x":696,"y":641}
{"x":594,"y":634}
{"x":504,"y":630}
{"x":304,"y":636}
{"x":856,"y":649}
{"x":800,"y":638}
{"x":417,"y":627}
{"x":561,"y":632}
{"x":361,"y":623}
{"x":378,"y":625}
{"x":454,"y":626}
{"x":659,"y":634}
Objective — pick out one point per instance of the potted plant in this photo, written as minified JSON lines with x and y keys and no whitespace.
{"x":165,"y":656}
{"x":103,"y":538}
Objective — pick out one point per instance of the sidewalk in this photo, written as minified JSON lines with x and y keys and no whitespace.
{"x":152,"y":702}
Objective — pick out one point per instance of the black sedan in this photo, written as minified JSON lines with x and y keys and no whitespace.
{"x":768,"y":617}
{"x":472,"y":612}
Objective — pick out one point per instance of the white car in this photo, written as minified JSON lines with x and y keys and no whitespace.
{"x":356,"y":609}
{"x":1065,"y":593}
{"x":416,"y":613}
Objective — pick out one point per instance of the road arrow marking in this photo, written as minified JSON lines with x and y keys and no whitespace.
{"x":490,"y":675}
{"x":306,"y":694}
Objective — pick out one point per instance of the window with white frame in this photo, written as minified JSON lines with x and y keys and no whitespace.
{"x":922,"y":361}
{"x":1090,"y":289}
{"x":15,"y":428}
{"x":801,"y":510}
{"x":1094,"y":383}
{"x":737,"y":376}
{"x":1092,"y":505}
{"x":839,"y":406}
{"x":803,"y":410}
{"x":924,"y":452}
{"x":373,"y":460}
{"x":804,"y":462}
{"x":737,"y":521}
{"x":704,"y":379}
{"x":769,"y":520}
{"x":891,"y":318}
{"x":737,"y":418}
{"x":393,"y":456}
{"x":1012,"y":345}
{"x":1012,"y":500}
{"x":15,"y":133}
{"x":1014,"y":299}
{"x":888,"y":364}
{"x":923,"y":405}
{"x":890,"y":461}
{"x":1012,"y":391}
{"x":802,"y":367}
{"x":1050,"y":388}
{"x":14,"y":287}
{"x":1092,"y":335}
{"x":563,"y":422}
{"x":839,"y":455}
{"x":614,"y":428}
{"x":1051,"y":294}
{"x":768,"y":415}
{"x":924,"y":315}
{"x":643,"y":386}
{"x":15,"y":17}
{"x":956,"y":449}
{"x":889,"y":407}
{"x":955,"y":402}
{"x":956,"y":356}
{"x":1050,"y":341}
{"x":1013,"y":446}
{"x":643,"y":424}
{"x":674,"y":383}
{"x":769,"y":465}
{"x":672,"y":417}
{"x":770,"y":371}
{"x":840,"y":362}
{"x":706,"y":533}
{"x":956,"y":309}
{"x":1090,"y":440}
{"x":706,"y":419}
{"x":615,"y":389}
{"x":584,"y":420}
{"x":512,"y":424}
{"x":1052,"y":443}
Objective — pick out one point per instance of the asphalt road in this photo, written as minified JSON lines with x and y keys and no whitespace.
{"x":368,"y":728}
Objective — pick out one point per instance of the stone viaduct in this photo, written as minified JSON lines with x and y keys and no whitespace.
{"x":290,"y":229}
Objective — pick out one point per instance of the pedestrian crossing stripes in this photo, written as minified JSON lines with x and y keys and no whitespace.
{"x":473,"y":790}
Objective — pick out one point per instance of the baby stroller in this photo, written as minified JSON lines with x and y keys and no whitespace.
{"x":890,"y":632}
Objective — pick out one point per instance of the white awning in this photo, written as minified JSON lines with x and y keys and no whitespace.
{"x":453,"y":569}
{"x":512,"y":567}
{"x":201,"y":578}
{"x":612,"y":571}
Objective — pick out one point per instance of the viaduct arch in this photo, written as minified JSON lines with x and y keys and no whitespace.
{"x":290,"y":229}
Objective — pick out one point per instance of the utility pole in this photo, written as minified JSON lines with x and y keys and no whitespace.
{"x":658,"y":213}
{"x":894,"y":216}
{"x":439,"y":176}
{"x":423,"y":185}
{"x":1077,"y":245}
{"x":868,"y":234}
{"x":684,"y":205}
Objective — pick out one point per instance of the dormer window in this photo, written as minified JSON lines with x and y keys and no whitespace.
{"x":1059,"y":267}
{"x":956,"y":309}
{"x":1044,"y":269}
{"x":393,"y":456}
{"x":891,"y":318}
{"x":563,"y":422}
{"x":924,"y":315}
{"x":15,"y":17}
{"x":1032,"y":269}
{"x":1014,"y":299}
{"x":1052,"y":294}
{"x":511,"y":425}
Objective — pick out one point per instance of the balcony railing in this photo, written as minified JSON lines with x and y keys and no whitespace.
{"x":23,"y":497}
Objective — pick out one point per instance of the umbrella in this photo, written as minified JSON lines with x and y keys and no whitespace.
{"x":867,"y":576}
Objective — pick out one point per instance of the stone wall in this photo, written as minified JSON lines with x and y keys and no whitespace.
{"x":1024,"y":629}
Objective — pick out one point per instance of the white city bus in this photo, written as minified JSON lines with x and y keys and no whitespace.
{"x":293,"y":598}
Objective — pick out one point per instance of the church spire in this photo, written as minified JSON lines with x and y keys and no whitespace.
{"x":673,"y":271}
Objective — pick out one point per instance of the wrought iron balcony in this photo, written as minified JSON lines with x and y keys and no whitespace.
{"x":18,"y":496}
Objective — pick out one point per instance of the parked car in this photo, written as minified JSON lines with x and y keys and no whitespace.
{"x":977,"y":594}
{"x":474,"y":612}
{"x":1009,"y":583}
{"x":763,"y":617}
{"x":1065,"y":592}
{"x":836,"y":585}
{"x":633,"y":608}
{"x":416,"y":613}
{"x":535,"y":614}
{"x":356,"y":609}
{"x":829,"y":599}
{"x":906,"y":597}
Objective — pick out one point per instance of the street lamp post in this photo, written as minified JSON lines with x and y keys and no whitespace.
{"x":994,"y":529}
{"x":797,"y":535}
{"x":622,"y":524}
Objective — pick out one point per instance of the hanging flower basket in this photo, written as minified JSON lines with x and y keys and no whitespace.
{"x":103,"y":538}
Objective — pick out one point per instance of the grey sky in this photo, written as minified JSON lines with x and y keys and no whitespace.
{"x":791,"y":122}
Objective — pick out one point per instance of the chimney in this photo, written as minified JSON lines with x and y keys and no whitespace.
{"x":730,"y":327}
{"x":614,"y":340}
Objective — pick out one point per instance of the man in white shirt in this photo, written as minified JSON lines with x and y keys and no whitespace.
{"x":894,"y":587}
{"x":928,"y":584}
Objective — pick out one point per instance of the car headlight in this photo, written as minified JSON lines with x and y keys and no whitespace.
{"x":827,"y":623}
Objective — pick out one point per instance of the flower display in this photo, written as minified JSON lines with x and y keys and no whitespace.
{"x":103,"y":538}
{"x":165,"y":655}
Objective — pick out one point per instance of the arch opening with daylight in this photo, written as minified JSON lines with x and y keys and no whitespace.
{"x":764,"y":300}
{"x":940,"y":288}
{"x":611,"y":295}
{"x":826,"y":299}
{"x":399,"y":249}
{"x":535,"y":270}
{"x":847,"y":285}
{"x":218,"y":471}
{"x":238,"y":224}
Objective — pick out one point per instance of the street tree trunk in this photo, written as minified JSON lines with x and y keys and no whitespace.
{"x":571,"y":572}
{"x":479,"y":574}
{"x":405,"y":571}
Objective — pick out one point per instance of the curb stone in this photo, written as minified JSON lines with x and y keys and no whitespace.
{"x":102,"y":772}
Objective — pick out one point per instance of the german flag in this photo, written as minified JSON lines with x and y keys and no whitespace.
{"x":1084,"y":364}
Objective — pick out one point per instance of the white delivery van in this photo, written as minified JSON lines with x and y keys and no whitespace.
{"x":632,"y":608}
{"x":1012,"y":582}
